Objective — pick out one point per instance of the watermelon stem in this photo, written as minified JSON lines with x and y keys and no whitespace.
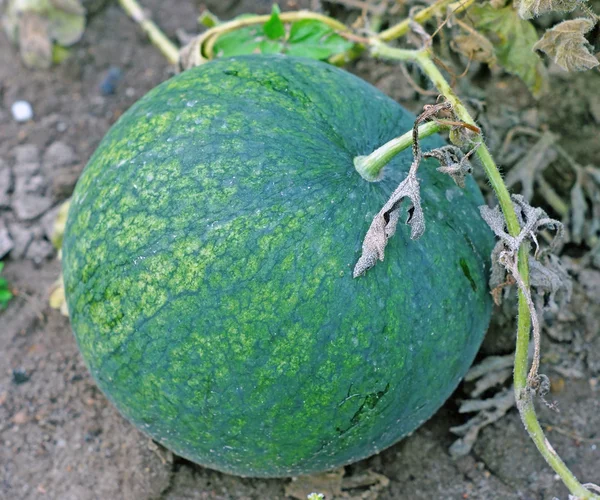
{"x":370,"y":167}
{"x":524,"y":382}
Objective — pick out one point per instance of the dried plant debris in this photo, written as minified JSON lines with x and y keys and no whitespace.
{"x":583,"y":219}
{"x":383,"y":226}
{"x":335,"y":485}
{"x":41,"y":27}
{"x":492,"y":371}
{"x":566,"y":44}
{"x":529,"y":168}
{"x":551,"y":281}
{"x":453,"y":162}
{"x":531,"y":220}
{"x":533,"y":8}
{"x":475,"y":46}
{"x":548,"y":276}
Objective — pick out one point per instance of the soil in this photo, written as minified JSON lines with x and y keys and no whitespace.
{"x":61,"y":439}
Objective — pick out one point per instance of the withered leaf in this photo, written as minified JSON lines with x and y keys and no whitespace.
{"x":453,"y":163}
{"x":529,"y":168}
{"x":567,"y":46}
{"x":475,"y":46}
{"x":533,"y":8}
{"x":384,"y":224}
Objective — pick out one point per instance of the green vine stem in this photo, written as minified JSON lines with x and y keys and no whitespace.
{"x":156,"y":36}
{"x":524,"y":392}
{"x":371,"y":167}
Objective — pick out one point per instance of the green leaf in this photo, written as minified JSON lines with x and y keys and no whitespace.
{"x":239,"y":42}
{"x":307,"y":38}
{"x":59,"y":54}
{"x":270,"y":47}
{"x":513,"y":39}
{"x":5,"y":297}
{"x":313,"y":39}
{"x":208,"y":19}
{"x":274,"y":28}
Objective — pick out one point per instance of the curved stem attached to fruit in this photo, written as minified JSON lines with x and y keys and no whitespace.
{"x":524,"y":393}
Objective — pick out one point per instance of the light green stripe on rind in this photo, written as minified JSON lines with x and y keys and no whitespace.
{"x":208,"y":270}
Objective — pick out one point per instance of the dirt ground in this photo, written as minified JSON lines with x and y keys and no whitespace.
{"x":59,"y":437}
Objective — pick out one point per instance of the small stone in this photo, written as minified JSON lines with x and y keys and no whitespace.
{"x":59,"y":154}
{"x":5,"y":184}
{"x":26,"y":153}
{"x":20,"y":376}
{"x":21,"y":238}
{"x":31,"y":198}
{"x":6,"y":242}
{"x":108,"y":86}
{"x":21,"y":111}
{"x":39,"y":250}
{"x":20,"y":418}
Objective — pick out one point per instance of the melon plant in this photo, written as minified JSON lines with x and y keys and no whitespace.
{"x":208,"y":261}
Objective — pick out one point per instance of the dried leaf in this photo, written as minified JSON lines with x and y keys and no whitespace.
{"x":528,"y":168}
{"x":475,"y":46}
{"x":513,"y":39}
{"x":551,"y":280}
{"x":35,"y":46}
{"x":328,"y":483}
{"x":453,"y":163}
{"x":533,"y":8}
{"x":36,"y":24}
{"x":567,"y":46}
{"x":578,"y":210}
{"x":491,"y":410}
{"x":384,"y":224}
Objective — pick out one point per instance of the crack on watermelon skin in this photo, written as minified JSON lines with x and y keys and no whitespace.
{"x":212,"y":299}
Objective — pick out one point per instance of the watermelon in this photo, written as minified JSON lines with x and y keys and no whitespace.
{"x":208,"y":264}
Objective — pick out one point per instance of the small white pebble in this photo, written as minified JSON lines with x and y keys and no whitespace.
{"x":130,"y":92}
{"x":21,"y":111}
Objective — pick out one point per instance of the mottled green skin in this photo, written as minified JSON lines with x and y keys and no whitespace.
{"x":208,"y":268}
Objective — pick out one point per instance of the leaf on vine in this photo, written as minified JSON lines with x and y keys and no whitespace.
{"x":384,"y":224}
{"x":533,"y":8}
{"x":513,"y":39}
{"x":315,"y":40}
{"x":307,"y":38}
{"x":567,"y":46}
{"x":274,"y":28}
{"x":208,"y":19}
{"x":475,"y":46}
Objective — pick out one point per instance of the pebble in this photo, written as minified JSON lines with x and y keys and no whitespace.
{"x":108,"y":86}
{"x":20,"y":376}
{"x":6,"y":242}
{"x":21,"y":111}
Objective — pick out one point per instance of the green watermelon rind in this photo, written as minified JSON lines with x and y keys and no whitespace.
{"x":208,"y":263}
